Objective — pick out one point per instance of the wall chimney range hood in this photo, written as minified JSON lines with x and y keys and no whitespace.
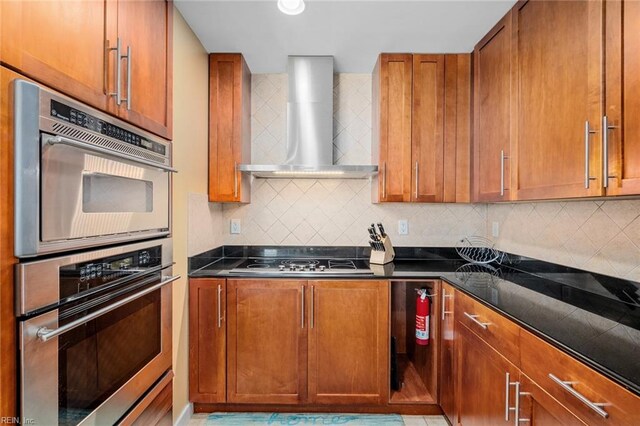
{"x":310,"y":126}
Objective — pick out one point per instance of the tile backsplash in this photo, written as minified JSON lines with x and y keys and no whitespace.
{"x":599,"y":236}
{"x":335,"y":211}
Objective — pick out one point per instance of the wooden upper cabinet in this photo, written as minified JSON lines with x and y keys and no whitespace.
{"x":481,"y":382}
{"x":622,"y":98}
{"x":267,"y":342}
{"x":61,"y":46}
{"x":71,"y":48}
{"x":427,"y":134}
{"x":558,"y":62}
{"x":207,"y":341}
{"x":493,"y":114}
{"x":349,"y":342}
{"x":229,"y":127}
{"x":392,"y":104}
{"x":421,"y":128}
{"x":145,"y":28}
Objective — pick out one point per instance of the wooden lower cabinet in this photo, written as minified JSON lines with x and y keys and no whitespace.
{"x":348,"y":342}
{"x":447,"y":397}
{"x":482,"y":382}
{"x":207,"y":343}
{"x":538,"y":407}
{"x":266,"y":342}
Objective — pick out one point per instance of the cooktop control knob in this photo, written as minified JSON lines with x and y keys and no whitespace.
{"x":312,"y":267}
{"x":322,"y":267}
{"x":281,"y":267}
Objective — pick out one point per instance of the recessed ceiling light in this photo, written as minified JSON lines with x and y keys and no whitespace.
{"x":291,"y":7}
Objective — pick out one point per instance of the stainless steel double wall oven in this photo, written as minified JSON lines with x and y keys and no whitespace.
{"x":92,"y":231}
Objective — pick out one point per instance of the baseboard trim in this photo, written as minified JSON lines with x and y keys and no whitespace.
{"x":185,"y":415}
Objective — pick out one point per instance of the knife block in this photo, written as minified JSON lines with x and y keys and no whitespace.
{"x":379,"y":257}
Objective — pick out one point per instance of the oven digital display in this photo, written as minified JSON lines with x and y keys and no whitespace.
{"x":122,"y":263}
{"x":88,"y":121}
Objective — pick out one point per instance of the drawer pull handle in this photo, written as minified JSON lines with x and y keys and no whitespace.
{"x":595,"y":406}
{"x":473,"y":318}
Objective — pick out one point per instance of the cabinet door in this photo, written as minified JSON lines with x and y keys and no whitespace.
{"x":229,"y":127}
{"x":447,"y":355}
{"x":61,"y":46}
{"x":207,"y":340}
{"x":349,"y":342}
{"x":539,"y":408}
{"x":267,"y":335}
{"x":623,"y":97}
{"x":427,"y":134}
{"x":392,"y":86}
{"x":492,"y":113}
{"x":483,"y":394}
{"x":146,"y":28}
{"x":558,"y":99}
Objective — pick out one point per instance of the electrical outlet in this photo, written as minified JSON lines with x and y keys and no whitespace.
{"x":235,"y":226}
{"x":495,"y":229}
{"x":403,"y":227}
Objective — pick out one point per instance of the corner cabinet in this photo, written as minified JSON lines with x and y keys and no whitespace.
{"x":74,"y":50}
{"x":621,"y":125}
{"x":558,"y":102}
{"x":229,"y":127}
{"x":207,"y":340}
{"x":421,"y":118}
{"x":493,"y":114}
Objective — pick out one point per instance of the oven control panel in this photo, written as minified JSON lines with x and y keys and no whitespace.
{"x":79,"y":277}
{"x":87,"y":121}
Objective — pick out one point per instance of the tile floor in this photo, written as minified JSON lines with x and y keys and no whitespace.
{"x":199,"y":420}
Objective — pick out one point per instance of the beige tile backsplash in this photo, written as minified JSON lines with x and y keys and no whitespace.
{"x":336,"y":211}
{"x":602,"y":236}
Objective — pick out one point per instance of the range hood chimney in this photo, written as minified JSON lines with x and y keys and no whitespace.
{"x":310,"y":126}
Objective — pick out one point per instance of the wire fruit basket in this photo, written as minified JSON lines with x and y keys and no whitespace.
{"x":476,"y":249}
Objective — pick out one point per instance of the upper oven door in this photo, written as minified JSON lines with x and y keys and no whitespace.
{"x":87,"y":194}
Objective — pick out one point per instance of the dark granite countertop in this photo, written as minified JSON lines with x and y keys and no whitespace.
{"x":595,"y":318}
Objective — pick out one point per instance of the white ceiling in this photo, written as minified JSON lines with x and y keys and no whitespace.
{"x":354,"y":32}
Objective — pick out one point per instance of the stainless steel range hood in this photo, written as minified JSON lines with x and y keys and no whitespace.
{"x":310,"y":126}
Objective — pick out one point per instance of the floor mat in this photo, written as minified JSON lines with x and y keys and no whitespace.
{"x":317,"y":419}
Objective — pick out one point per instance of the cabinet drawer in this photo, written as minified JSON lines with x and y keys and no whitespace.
{"x":547,"y":366}
{"x":493,"y":328}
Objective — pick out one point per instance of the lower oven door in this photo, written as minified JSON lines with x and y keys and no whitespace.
{"x":90,"y":366}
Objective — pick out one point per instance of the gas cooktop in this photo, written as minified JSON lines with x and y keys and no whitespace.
{"x":281,"y":266}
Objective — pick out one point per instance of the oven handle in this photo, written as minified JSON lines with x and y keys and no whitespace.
{"x":45,"y":334}
{"x":54,"y":140}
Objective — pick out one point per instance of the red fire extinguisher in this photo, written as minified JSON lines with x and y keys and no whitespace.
{"x":423,"y":309}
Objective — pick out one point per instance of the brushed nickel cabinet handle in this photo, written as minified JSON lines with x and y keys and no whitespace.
{"x":473,"y":318}
{"x":311,"y":319}
{"x":117,"y":93}
{"x":605,"y":151}
{"x":502,"y":158}
{"x":417,"y":179}
{"x":302,"y":307}
{"x":587,"y":135}
{"x":219,"y":306}
{"x":445,"y":296}
{"x":235,"y":180}
{"x":507,"y":406}
{"x":129,"y":61}
{"x":568,"y":386}
{"x":384,"y":181}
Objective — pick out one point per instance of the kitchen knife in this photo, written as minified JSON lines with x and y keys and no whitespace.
{"x":381,"y":228}
{"x":373,"y":226}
